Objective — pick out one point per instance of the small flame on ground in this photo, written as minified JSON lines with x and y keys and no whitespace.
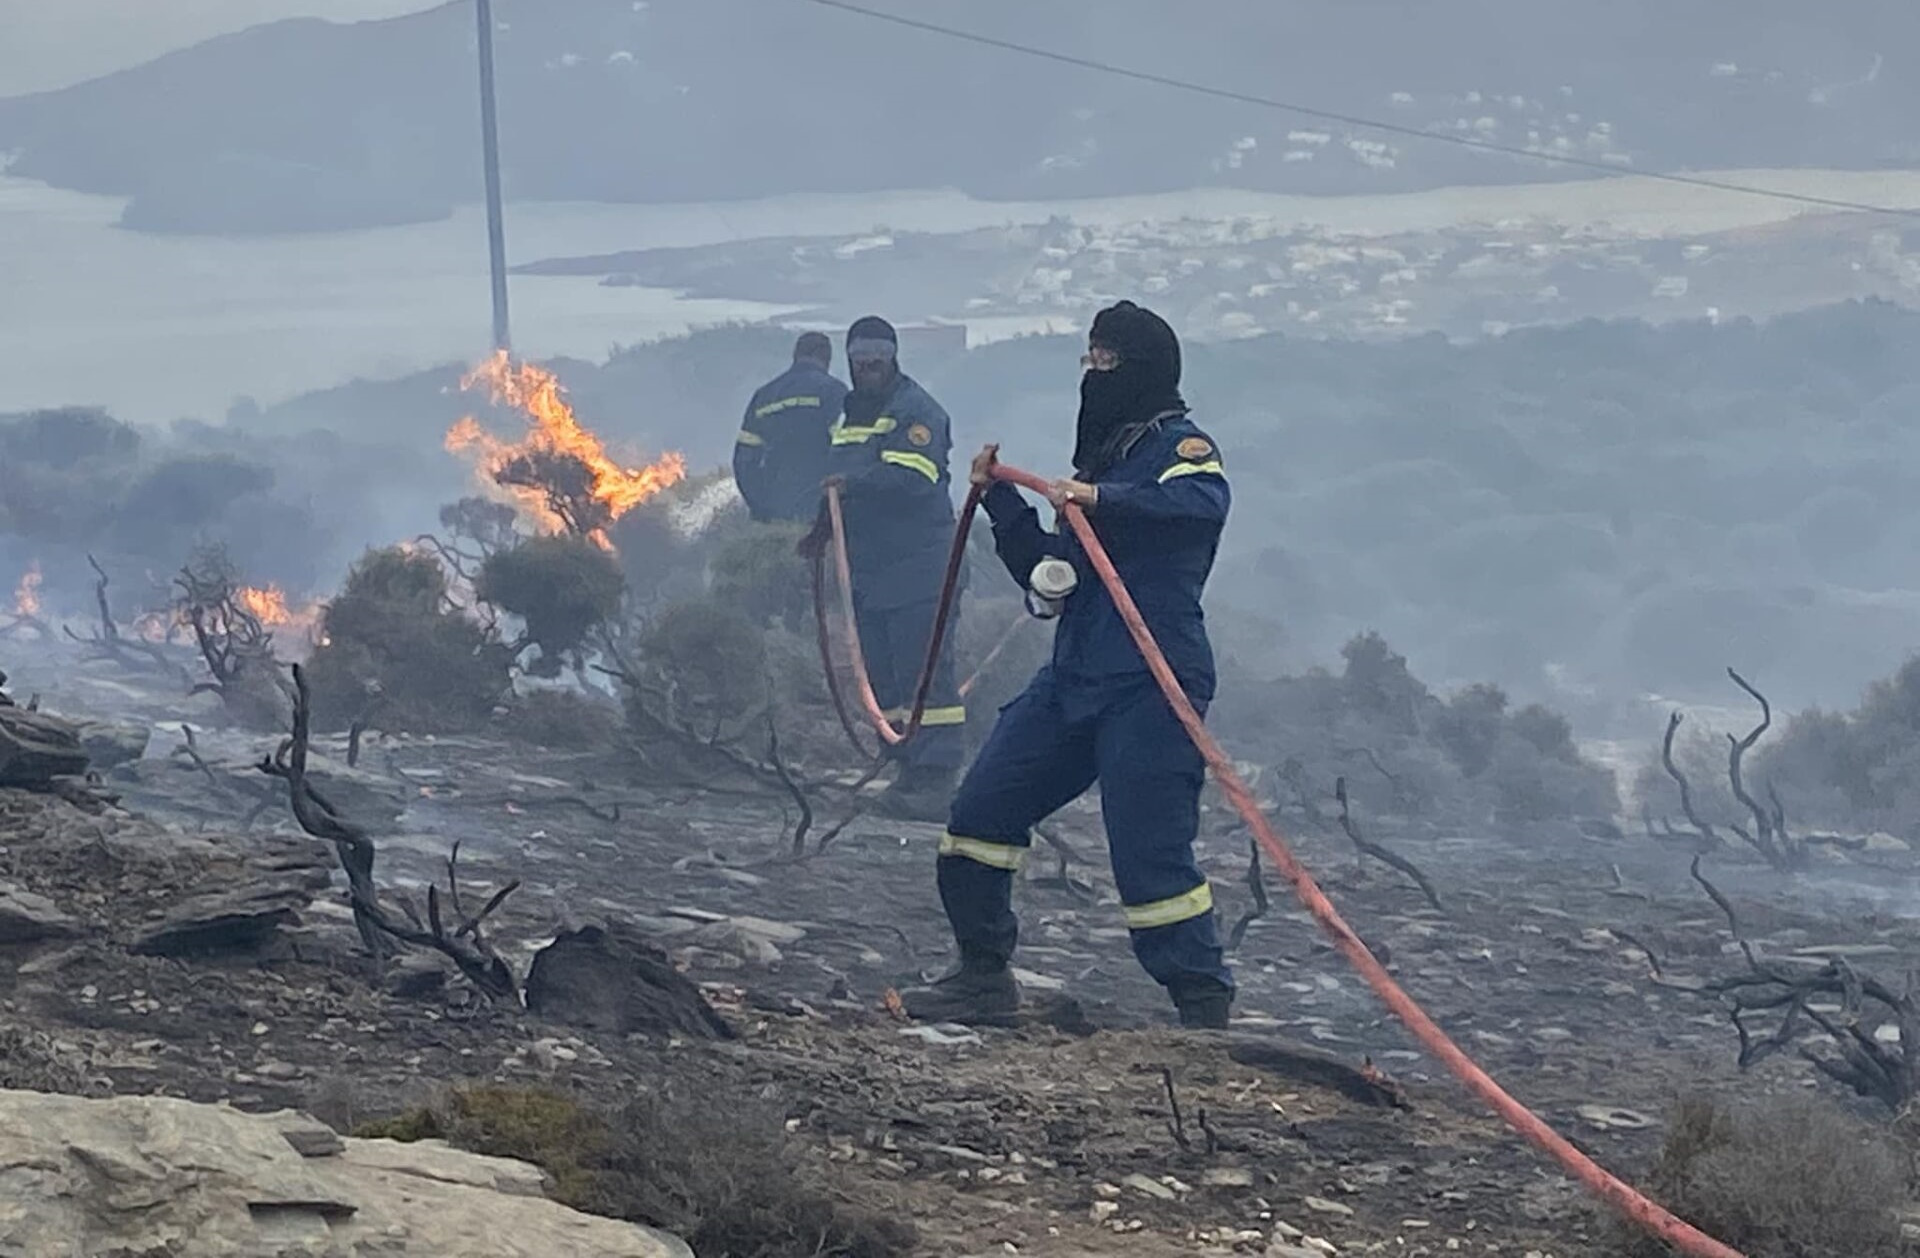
{"x":268,"y":604}
{"x":26,"y":595}
{"x":554,"y":431}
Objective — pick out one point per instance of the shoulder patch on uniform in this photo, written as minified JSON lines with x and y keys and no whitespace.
{"x":1194,"y":448}
{"x":920,"y":434}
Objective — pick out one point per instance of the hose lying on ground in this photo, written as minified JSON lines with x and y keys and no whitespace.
{"x":1623,"y":1197}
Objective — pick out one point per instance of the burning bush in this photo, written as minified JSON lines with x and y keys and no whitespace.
{"x":1787,"y":1178}
{"x":560,"y":472}
{"x":392,"y":631}
{"x":235,"y":643}
{"x":561,"y":586}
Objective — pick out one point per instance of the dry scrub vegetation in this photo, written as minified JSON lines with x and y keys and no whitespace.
{"x":719,"y":1172}
{"x":1787,"y":1177}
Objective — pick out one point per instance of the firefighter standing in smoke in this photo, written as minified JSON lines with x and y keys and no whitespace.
{"x":890,"y":452}
{"x":783,"y":451}
{"x":1152,"y":486}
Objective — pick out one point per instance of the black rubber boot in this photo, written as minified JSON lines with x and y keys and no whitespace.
{"x":1204,"y":1006}
{"x":918,"y":795}
{"x":978,"y":993}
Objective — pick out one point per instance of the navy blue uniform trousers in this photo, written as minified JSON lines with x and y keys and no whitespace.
{"x":894,"y":641}
{"x":1048,"y":747}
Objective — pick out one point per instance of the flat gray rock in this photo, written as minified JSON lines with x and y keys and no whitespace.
{"x":156,"y":1175}
{"x":27,"y":918}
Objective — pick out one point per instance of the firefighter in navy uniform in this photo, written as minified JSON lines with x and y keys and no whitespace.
{"x":890,"y":448}
{"x":783,"y":451}
{"x":1153,"y":489}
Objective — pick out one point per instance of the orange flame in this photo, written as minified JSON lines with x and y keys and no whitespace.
{"x":554,"y":430}
{"x":268,"y":605}
{"x":26,"y":595}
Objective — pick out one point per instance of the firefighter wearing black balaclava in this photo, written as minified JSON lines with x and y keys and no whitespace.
{"x":1152,"y":486}
{"x":891,"y":447}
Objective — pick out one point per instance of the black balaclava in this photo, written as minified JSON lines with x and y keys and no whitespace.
{"x":870,"y":337}
{"x":1115,"y":404}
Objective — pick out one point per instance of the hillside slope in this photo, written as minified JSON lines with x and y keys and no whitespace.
{"x":304,"y":124}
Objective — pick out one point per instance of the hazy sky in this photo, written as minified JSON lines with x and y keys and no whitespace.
{"x":50,"y":43}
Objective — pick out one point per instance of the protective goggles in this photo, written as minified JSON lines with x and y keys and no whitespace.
{"x":871,"y":350}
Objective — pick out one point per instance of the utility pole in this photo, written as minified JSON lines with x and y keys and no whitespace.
{"x":490,"y":141}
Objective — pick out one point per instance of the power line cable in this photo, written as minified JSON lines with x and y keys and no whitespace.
{"x":1355,"y":120}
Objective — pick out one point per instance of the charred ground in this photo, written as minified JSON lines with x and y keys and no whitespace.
{"x":1562,"y":960}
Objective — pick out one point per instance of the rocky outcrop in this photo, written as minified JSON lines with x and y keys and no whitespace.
{"x":110,"y":744}
{"x":29,"y":918}
{"x":610,"y":978}
{"x":36,"y":748}
{"x":155,"y":1175}
{"x":224,"y":920}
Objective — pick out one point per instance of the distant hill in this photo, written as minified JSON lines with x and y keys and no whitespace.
{"x":672,"y":100}
{"x":1613,"y":505}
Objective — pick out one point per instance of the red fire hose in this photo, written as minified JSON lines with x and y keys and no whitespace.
{"x":1621,"y":1196}
{"x":1648,"y":1214}
{"x":943,"y":616}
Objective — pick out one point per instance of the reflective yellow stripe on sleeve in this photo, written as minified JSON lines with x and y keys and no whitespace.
{"x":1170,"y":911}
{"x":955,"y":715}
{"x":917,"y":462}
{"x":784,"y":404}
{"x":749,"y":439}
{"x":844,"y":434}
{"x":1192,"y":469}
{"x":992,"y":855}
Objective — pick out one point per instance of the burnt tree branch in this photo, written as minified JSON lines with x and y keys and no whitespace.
{"x":1766,"y":838}
{"x":465,"y":945}
{"x":1369,"y":848}
{"x":1709,"y":839}
{"x":1888,"y":1072}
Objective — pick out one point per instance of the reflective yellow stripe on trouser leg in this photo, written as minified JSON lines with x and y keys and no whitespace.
{"x":982,"y":851}
{"x":929,"y":718}
{"x":1172,"y":910}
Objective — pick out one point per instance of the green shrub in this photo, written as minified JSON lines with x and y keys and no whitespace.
{"x":564,"y":719}
{"x":562,"y":587}
{"x":758,"y":571}
{"x":392,"y":631}
{"x":703,"y":666}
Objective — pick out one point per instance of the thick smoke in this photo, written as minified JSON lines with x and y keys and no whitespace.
{"x":290,"y":511}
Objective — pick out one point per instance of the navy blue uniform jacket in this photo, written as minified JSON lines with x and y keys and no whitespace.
{"x":784,"y":448}
{"x":1161,"y":508}
{"x":898,"y":503}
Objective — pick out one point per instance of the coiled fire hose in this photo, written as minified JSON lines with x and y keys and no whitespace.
{"x":1618,"y":1194}
{"x":863,"y":683}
